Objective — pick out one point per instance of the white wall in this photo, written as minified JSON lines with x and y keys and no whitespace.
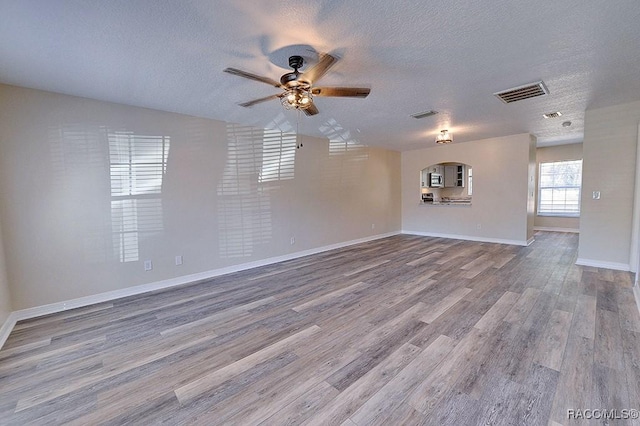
{"x":500,"y":203}
{"x":550,"y":154}
{"x":609,"y":161}
{"x":220,"y":203}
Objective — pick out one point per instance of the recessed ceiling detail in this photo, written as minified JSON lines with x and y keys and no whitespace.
{"x":424,"y":114}
{"x":554,"y":114}
{"x":522,"y":92}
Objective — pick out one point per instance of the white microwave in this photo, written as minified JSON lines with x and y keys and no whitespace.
{"x":436,"y":180}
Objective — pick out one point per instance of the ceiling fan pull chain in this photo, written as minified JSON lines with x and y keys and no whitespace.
{"x":298,"y":140}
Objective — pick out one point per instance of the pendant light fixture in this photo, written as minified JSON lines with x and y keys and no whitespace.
{"x":444,"y":137}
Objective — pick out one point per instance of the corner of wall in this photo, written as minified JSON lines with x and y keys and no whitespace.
{"x":5,"y":291}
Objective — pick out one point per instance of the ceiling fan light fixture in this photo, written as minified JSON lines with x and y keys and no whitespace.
{"x":297,"y":98}
{"x":444,"y":137}
{"x":298,"y":87}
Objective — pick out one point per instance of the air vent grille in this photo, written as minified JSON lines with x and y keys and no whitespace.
{"x":522,"y":92}
{"x":554,"y":114}
{"x":424,"y":114}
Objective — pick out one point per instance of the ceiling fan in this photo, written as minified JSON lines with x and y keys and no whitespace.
{"x":298,"y":88}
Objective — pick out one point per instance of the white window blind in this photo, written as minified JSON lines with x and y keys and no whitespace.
{"x":559,"y":188}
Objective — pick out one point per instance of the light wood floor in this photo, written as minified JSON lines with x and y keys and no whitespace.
{"x":403,"y":330}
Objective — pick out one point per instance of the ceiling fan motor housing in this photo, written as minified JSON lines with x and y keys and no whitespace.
{"x":292,"y":79}
{"x":296,"y":62}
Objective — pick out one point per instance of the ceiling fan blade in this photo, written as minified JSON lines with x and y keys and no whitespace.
{"x":316,"y":72}
{"x":312,"y":110}
{"x":349,"y":92}
{"x":257,"y":101}
{"x":251,"y":76}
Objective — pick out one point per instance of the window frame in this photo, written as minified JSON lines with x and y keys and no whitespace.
{"x":560,"y":187}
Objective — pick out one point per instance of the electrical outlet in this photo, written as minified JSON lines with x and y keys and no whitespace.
{"x":373,"y":226}
{"x":596,"y":195}
{"x":293,"y":240}
{"x":178,"y":260}
{"x":148,"y":265}
{"x":479,"y":226}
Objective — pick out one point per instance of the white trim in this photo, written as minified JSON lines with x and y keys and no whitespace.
{"x":636,"y":292}
{"x":634,"y":249}
{"x":471,"y":238}
{"x":38,"y":311}
{"x":554,"y":229}
{"x":6,"y":328}
{"x":600,"y":264}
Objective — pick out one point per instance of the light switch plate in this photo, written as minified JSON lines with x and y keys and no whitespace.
{"x":596,"y":195}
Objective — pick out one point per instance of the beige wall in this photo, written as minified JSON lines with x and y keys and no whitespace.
{"x":550,"y":154}
{"x":499,"y":209}
{"x":5,"y":295}
{"x":531,"y":187}
{"x":227,"y":197}
{"x":609,"y":161}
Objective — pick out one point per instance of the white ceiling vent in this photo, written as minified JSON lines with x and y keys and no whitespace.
{"x":424,"y":114}
{"x":554,"y":114}
{"x":523,"y":92}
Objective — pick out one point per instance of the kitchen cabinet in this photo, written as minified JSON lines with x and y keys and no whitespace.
{"x":450,"y":176}
{"x":436,"y":168}
{"x":460,"y":175}
{"x":454,"y":176}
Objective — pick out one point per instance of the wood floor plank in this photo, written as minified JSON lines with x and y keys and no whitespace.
{"x":584,"y":319}
{"x":490,"y":320}
{"x":429,"y":392}
{"x":393,"y":394}
{"x":400,"y":330}
{"x":366,"y":267}
{"x":523,"y":306}
{"x":606,"y":390}
{"x":193,"y":389}
{"x":350,"y":399}
{"x":628,"y":311}
{"x":608,"y":340}
{"x":536,"y":401}
{"x":631,"y":349}
{"x":304,"y":406}
{"x":51,"y":394}
{"x":554,"y":340}
{"x":574,"y":383}
{"x":441,"y":307}
{"x":526,"y":343}
{"x":488,"y":361}
{"x":327,"y":297}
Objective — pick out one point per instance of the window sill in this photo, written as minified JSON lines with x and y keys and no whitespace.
{"x":577,"y":216}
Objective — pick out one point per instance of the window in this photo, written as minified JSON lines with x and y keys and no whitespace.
{"x":137,"y":166}
{"x":559,"y":188}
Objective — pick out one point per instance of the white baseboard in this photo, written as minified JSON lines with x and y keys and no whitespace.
{"x":38,"y":311}
{"x":6,"y":328}
{"x":636,"y":292}
{"x":470,"y":238}
{"x":606,"y":265}
{"x":552,"y":229}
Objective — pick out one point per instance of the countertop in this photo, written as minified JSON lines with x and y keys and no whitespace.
{"x":447,"y":203}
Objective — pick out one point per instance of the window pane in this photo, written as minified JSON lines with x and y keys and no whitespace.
{"x":559,"y":188}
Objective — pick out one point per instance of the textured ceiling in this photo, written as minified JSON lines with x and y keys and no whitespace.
{"x":449,"y":56}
